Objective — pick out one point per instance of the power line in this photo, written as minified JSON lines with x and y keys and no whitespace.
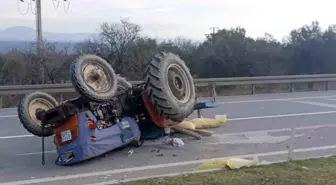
{"x":66,"y":9}
{"x":18,"y":7}
{"x":32,"y":7}
{"x":39,"y":37}
{"x":54,"y":3}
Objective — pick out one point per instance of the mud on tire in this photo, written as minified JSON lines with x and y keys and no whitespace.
{"x":27,"y":108}
{"x":170,"y":86}
{"x":93,"y":78}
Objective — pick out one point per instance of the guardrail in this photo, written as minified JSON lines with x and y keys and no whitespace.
{"x":211,"y":82}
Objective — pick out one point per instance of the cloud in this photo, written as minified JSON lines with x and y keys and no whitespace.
{"x":191,"y":18}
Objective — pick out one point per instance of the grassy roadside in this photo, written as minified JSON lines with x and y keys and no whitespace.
{"x":321,"y":171}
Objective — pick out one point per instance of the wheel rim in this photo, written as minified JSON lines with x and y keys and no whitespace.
{"x":37,"y":105}
{"x":96,"y":77}
{"x":178,"y":83}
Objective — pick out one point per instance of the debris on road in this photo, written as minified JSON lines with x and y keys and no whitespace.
{"x":196,"y":126}
{"x":191,"y":133}
{"x":175,"y":142}
{"x":130,"y":152}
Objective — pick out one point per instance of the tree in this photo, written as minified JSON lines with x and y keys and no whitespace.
{"x":227,"y":53}
{"x":306,"y":43}
{"x":140,"y":52}
{"x":118,"y":37}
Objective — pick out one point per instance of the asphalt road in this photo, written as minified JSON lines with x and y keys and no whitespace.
{"x":258,"y":125}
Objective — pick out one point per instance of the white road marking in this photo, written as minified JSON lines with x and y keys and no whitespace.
{"x":281,"y":129}
{"x":221,"y":135}
{"x":276,"y":99}
{"x":316,"y":103}
{"x":261,"y":136}
{"x":13,"y":137}
{"x":282,"y":115}
{"x":35,"y":153}
{"x":9,"y":116}
{"x":158,"y":166}
{"x":333,"y":99}
{"x":10,"y":108}
{"x":243,"y":101}
{"x":230,"y":119}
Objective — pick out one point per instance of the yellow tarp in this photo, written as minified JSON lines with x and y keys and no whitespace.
{"x":203,"y":123}
{"x":187,"y":124}
{"x":213,"y":164}
{"x":232,"y":163}
{"x":236,"y":163}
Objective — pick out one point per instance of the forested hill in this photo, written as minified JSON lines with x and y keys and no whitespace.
{"x":307,"y":49}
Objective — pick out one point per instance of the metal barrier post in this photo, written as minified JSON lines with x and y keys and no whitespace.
{"x":327,"y":85}
{"x":253,"y":89}
{"x":61,"y":97}
{"x":213,"y":92}
{"x":1,"y":102}
{"x":291,"y":145}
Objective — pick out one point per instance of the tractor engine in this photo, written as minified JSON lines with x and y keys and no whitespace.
{"x":108,"y":111}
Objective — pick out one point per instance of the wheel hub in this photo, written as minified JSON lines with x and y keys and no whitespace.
{"x":178,"y":83}
{"x":96,"y":77}
{"x":36,"y":106}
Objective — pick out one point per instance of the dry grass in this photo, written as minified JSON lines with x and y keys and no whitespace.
{"x":320,"y":171}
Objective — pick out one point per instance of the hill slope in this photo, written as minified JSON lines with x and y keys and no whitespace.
{"x":20,"y":38}
{"x":21,"y":33}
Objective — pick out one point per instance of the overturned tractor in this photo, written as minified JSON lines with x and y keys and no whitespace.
{"x":109,"y":110}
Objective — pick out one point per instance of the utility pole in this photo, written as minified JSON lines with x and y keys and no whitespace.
{"x":39,"y":41}
{"x":214,"y":30}
{"x":39,"y":38}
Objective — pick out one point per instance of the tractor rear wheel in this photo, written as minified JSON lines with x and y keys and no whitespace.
{"x":170,"y":86}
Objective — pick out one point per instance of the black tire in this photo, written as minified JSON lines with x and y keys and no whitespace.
{"x":78,"y":79}
{"x":123,"y":84}
{"x":159,"y":90}
{"x":138,"y":143}
{"x":25,"y":118}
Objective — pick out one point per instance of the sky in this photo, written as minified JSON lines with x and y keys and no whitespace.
{"x":170,"y":18}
